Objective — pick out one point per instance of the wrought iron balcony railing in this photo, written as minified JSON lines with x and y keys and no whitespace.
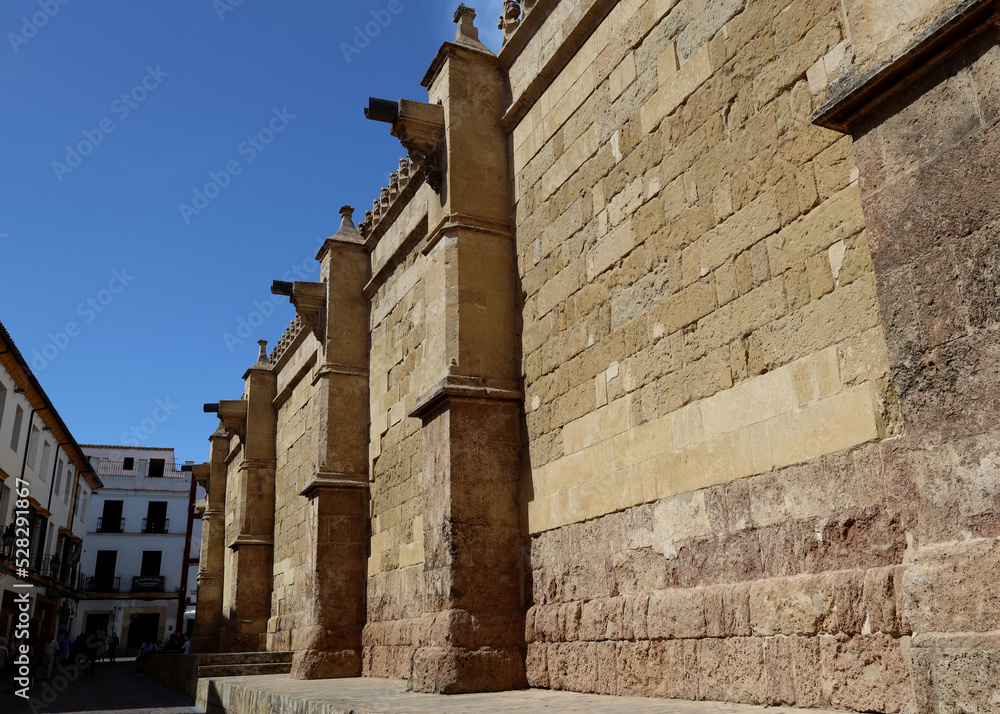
{"x":155,"y":525}
{"x":96,"y":584}
{"x":113,"y":525}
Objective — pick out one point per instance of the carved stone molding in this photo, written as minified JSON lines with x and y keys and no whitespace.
{"x":420,"y":129}
{"x":233,"y":415}
{"x":514,"y":14}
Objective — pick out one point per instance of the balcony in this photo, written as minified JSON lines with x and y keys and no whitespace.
{"x":113,"y":525}
{"x":139,"y":468}
{"x":53,"y":568}
{"x":155,"y":525}
{"x":149,"y":583}
{"x":95,"y":584}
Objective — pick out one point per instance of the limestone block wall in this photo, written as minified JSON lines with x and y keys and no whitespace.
{"x":292,"y":592}
{"x":705,"y":369}
{"x":397,"y":378}
{"x":232,"y":510}
{"x":928,"y":151}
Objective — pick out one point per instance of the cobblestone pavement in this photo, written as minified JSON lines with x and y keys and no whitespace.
{"x":113,"y":688}
{"x":378,"y":696}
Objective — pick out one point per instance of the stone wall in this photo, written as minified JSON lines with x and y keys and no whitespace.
{"x":397,"y":378}
{"x":293,"y":590}
{"x":702,"y":335}
{"x":928,"y":150}
{"x":746,"y":274}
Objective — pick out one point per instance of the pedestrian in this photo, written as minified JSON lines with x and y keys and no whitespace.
{"x":49,"y":650}
{"x":83,"y":657}
{"x":65,"y":644}
{"x":113,"y":643}
{"x":186,"y":647}
{"x":144,"y":651}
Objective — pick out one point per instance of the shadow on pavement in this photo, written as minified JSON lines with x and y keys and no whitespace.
{"x":113,"y":687}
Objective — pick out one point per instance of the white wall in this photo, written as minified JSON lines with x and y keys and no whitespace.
{"x":136,"y":492}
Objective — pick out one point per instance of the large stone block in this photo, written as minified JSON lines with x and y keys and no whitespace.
{"x":955,"y":673}
{"x":947,"y":587}
{"x":866,"y":673}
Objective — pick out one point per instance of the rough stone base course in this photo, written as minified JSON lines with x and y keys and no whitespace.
{"x":280,"y":693}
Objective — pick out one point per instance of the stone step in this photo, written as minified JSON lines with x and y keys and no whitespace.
{"x":239,"y":670}
{"x":236,"y":658}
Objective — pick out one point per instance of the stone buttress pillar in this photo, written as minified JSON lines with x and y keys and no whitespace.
{"x":922,"y":104}
{"x":209,"y":623}
{"x":473,"y":634}
{"x":337,"y":490}
{"x":255,"y":420}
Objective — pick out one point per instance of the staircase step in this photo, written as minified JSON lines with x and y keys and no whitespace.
{"x":237,"y":658}
{"x":240,"y":670}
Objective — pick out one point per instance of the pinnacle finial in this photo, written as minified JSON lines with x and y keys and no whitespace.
{"x":262,"y":353}
{"x":467,"y":32}
{"x":347,"y":231}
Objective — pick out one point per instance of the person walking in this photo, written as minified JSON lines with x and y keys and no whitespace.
{"x":113,"y":643}
{"x":65,"y":644}
{"x":50,"y":648}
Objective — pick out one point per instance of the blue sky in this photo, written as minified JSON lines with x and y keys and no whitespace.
{"x":127,"y":291}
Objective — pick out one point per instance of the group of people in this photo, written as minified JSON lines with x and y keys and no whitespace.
{"x":45,"y":652}
{"x":177,"y":643}
{"x":82,"y":652}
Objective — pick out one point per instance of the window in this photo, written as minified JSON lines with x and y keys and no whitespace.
{"x":128,"y":464}
{"x":151,"y":562}
{"x":46,"y":455}
{"x":15,"y":437}
{"x":59,"y":470}
{"x":156,"y":518}
{"x":38,"y":533}
{"x":33,"y":447}
{"x":156,"y":468}
{"x":111,"y":518}
{"x":5,"y":492}
{"x":104,"y":570}
{"x":3,"y":401}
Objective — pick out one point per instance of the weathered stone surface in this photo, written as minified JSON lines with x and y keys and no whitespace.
{"x":960,"y":569}
{"x":866,"y":673}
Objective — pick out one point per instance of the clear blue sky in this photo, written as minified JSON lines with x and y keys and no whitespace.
{"x":96,"y":236}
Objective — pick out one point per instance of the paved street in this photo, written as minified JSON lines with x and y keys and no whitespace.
{"x":113,"y":688}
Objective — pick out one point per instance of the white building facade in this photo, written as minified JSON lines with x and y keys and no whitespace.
{"x":141,"y":532}
{"x":46,"y":488}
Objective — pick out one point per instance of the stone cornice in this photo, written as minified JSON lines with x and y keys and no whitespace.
{"x":251,"y":540}
{"x":566,"y":50}
{"x":459,"y":387}
{"x":854,"y":95}
{"x":333,"y":480}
